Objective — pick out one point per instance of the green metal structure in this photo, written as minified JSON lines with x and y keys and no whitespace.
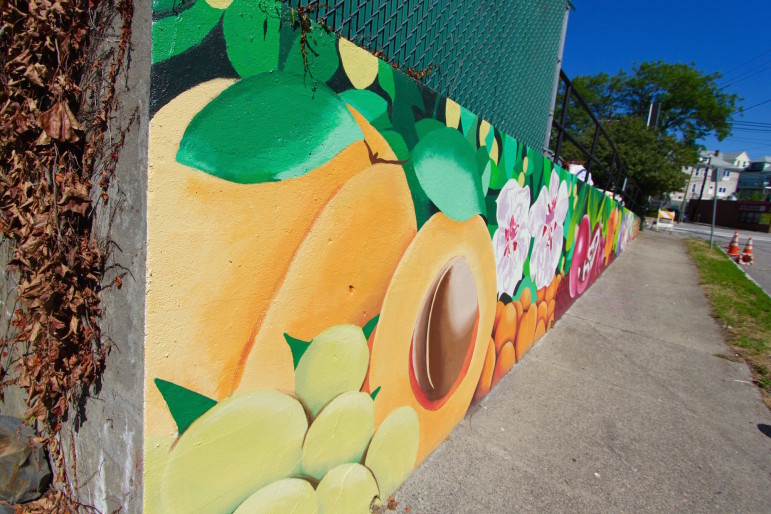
{"x":499,"y":58}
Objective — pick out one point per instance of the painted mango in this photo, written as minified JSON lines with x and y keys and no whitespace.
{"x":219,"y":251}
{"x":435,"y":326}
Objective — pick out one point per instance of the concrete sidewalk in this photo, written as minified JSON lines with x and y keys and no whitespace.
{"x":621,"y":407}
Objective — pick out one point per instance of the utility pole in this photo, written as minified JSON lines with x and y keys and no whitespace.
{"x":714,"y":213}
{"x":703,"y":183}
{"x":685,"y":197}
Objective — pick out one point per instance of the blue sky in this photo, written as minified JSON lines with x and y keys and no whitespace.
{"x":730,"y":37}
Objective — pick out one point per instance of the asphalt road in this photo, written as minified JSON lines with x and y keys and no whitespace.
{"x":622,"y":407}
{"x":761,"y":243}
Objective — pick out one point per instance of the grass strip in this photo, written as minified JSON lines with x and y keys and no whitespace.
{"x":742,"y":308}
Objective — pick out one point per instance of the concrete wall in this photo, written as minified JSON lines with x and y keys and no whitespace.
{"x":109,"y":442}
{"x":339,"y":260}
{"x":107,"y":435}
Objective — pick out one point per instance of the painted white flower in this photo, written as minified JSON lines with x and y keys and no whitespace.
{"x":511,"y":242}
{"x":547,"y":216}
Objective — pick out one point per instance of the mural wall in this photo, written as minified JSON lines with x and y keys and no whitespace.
{"x":339,"y":262}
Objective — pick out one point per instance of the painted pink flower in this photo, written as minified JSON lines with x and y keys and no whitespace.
{"x":511,"y":242}
{"x":547,"y":216}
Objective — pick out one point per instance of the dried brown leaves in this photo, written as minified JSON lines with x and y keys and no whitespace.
{"x":55,"y":141}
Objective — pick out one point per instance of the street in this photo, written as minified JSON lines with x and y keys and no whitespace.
{"x":761,"y":243}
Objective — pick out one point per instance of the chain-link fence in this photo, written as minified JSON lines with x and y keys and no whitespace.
{"x":497,"y":58}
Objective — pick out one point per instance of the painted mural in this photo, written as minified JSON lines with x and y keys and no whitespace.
{"x":339,"y":262}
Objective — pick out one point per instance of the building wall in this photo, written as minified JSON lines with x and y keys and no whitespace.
{"x":727,"y":181}
{"x":339,"y":261}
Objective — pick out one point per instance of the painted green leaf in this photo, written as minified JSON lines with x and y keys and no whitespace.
{"x":490,"y":138}
{"x":374,"y":393}
{"x":268,"y":127}
{"x":367,"y":103}
{"x":173,"y":35}
{"x":184,"y":405}
{"x":385,"y":77}
{"x":427,"y":125}
{"x":321,"y":51}
{"x":446,"y":167}
{"x":492,"y":229}
{"x":252,"y":37}
{"x":397,"y":144}
{"x":298,"y":347}
{"x":406,"y":98}
{"x":484,"y":168}
{"x":497,"y":176}
{"x":468,"y":121}
{"x":160,"y":6}
{"x":508,"y":155}
{"x":369,"y":327}
{"x":486,"y":174}
{"x":492,"y":208}
{"x":578,"y":213}
{"x":423,"y":208}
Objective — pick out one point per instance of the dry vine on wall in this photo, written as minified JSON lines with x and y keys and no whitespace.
{"x":58,"y":151}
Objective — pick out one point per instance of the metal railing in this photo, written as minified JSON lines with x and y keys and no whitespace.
{"x":613,"y":170}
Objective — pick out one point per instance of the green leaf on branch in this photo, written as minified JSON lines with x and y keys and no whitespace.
{"x":248,"y":134}
{"x":321,"y":52}
{"x":174,"y":34}
{"x":446,"y":167}
{"x":427,"y":125}
{"x":252,"y":36}
{"x":367,"y":103}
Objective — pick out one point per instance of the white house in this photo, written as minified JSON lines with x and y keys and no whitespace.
{"x":727,"y":165}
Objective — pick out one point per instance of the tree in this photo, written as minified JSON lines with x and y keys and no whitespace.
{"x":692,"y":107}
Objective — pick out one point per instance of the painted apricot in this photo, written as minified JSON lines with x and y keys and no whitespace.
{"x":526,"y":332}
{"x":486,"y":379}
{"x":518,"y":306}
{"x":328,"y":276}
{"x":542,"y":311}
{"x":498,"y":311}
{"x":435,"y":325}
{"x":552,"y":289}
{"x":206,"y":298}
{"x":550,"y":323}
{"x":505,"y":361}
{"x":550,"y":310}
{"x":525,"y":299}
{"x":507,"y":326}
{"x":540,"y":330}
{"x":539,"y":295}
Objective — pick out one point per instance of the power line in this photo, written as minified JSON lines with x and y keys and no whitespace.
{"x":725,"y":79}
{"x":747,"y":62}
{"x":743,"y":110}
{"x":758,"y":72}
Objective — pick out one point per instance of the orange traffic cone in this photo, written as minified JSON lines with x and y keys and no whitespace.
{"x":747,"y":257}
{"x":733,"y":246}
